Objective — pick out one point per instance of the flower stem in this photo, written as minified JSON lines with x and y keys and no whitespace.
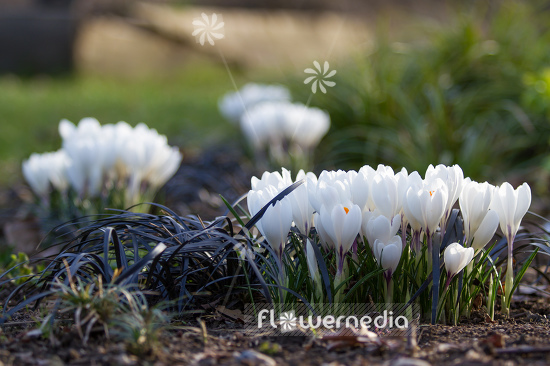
{"x":435,"y":269}
{"x":509,"y":282}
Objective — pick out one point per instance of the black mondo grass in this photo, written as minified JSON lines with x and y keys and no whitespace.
{"x":181,"y":261}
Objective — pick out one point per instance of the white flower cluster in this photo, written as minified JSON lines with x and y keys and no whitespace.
{"x":270,"y":120}
{"x":373,"y":205}
{"x":234,"y":105}
{"x":96,"y":159}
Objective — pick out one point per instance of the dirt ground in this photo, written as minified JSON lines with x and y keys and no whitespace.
{"x":522,"y":339}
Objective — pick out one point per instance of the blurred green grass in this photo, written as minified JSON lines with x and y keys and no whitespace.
{"x":182,"y":106}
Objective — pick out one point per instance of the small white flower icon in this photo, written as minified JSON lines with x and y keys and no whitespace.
{"x":208,"y":29}
{"x":320,"y":77}
{"x":288,"y":321}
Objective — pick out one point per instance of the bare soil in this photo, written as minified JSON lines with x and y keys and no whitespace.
{"x":521,"y":339}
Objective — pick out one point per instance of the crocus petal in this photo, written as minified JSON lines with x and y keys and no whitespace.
{"x":524,"y":202}
{"x":486,"y":230}
{"x":457,"y":257}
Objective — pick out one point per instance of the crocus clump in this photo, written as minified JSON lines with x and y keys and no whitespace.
{"x":398,"y":219}
{"x":115,"y":164}
{"x":234,"y":105}
{"x":287,"y":132}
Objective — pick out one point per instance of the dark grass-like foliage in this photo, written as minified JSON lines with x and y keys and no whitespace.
{"x":181,"y":261}
{"x":177,"y":258}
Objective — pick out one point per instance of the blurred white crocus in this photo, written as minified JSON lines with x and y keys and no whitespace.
{"x":43,"y":171}
{"x":511,"y":205}
{"x":263,"y":126}
{"x":150,"y":159}
{"x":117,"y":156}
{"x":480,"y":223}
{"x":456,"y":257}
{"x":284,"y":129}
{"x":86,"y":127}
{"x":89,"y":157}
{"x":307,"y":127}
{"x":234,"y":105}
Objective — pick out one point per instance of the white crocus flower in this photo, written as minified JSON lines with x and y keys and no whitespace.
{"x":404,"y":181}
{"x":379,"y":228}
{"x":43,"y":170}
{"x":89,"y":154}
{"x":341,"y":224}
{"x":302,"y":211}
{"x":86,"y":127}
{"x":486,"y":230}
{"x":359,"y":190}
{"x":368,"y":174}
{"x":258,"y":134}
{"x":480,"y":223}
{"x":281,"y":125}
{"x":86,"y":170}
{"x":426,"y":204}
{"x":275,"y":179}
{"x":453,"y":178}
{"x":233,"y":105}
{"x":332,"y":188}
{"x":307,"y":126}
{"x":511,"y":205}
{"x":313,"y":268}
{"x":275,"y":225}
{"x":257,"y":199}
{"x":388,"y":254}
{"x":325,"y":239}
{"x":385,"y":194}
{"x":456,"y":257}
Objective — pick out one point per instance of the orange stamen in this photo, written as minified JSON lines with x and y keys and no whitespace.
{"x":346,"y":209}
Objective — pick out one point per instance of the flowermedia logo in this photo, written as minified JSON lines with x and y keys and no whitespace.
{"x":287,"y":321}
{"x":320,"y":77}
{"x":208,"y":28}
{"x":393,"y":320}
